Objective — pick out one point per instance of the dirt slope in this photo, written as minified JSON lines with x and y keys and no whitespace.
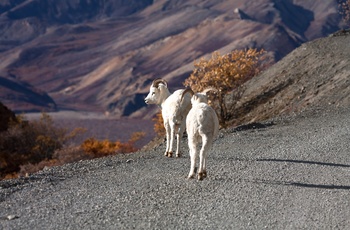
{"x":317,"y":74}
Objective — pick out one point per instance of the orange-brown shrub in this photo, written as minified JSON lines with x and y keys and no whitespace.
{"x":98,"y":148}
{"x":60,"y":157}
{"x":30,"y":143}
{"x":28,"y":147}
{"x":225,"y":73}
{"x":159,"y":125}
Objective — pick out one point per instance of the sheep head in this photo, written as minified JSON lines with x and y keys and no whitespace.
{"x":158,"y":81}
{"x":158,"y":92}
{"x":203,"y":96}
{"x":199,"y":97}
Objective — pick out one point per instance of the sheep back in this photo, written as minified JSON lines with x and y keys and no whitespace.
{"x":202,"y":120}
{"x":176,"y":109}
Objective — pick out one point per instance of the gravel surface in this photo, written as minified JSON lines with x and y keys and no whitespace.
{"x":286,"y":173}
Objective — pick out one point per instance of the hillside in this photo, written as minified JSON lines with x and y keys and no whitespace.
{"x":315,"y":75}
{"x":102,"y":55}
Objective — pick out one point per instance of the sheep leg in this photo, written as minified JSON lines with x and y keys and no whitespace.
{"x":179,"y":135}
{"x":193,"y":150}
{"x":167,"y":130}
{"x":171,"y":143}
{"x":202,"y":172}
{"x":178,"y":138}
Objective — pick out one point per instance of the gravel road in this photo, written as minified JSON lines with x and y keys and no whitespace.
{"x":286,"y":173}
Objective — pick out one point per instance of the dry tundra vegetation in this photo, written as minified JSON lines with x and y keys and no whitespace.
{"x":29,"y":146}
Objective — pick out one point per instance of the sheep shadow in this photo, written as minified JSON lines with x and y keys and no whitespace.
{"x":251,"y":126}
{"x":305,"y":162}
{"x":305,"y":185}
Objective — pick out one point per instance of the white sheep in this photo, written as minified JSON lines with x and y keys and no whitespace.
{"x":175,"y":108}
{"x":202,"y":125}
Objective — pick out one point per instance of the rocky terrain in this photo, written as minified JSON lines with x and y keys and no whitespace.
{"x":101,"y":56}
{"x":286,"y":172}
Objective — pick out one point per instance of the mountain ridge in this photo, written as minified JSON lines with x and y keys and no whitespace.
{"x":106,"y":62}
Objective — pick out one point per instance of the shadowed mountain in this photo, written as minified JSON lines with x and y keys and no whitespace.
{"x":23,"y":97}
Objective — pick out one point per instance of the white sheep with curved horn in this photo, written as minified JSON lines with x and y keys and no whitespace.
{"x":202,"y":125}
{"x":174,"y":107}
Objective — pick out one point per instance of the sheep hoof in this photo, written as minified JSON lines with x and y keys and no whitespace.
{"x":178,"y":155}
{"x":190,"y":177}
{"x":200,"y":176}
{"x":169,"y":154}
{"x":204,"y":174}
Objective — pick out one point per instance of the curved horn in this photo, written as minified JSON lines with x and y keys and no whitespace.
{"x":187,"y":90}
{"x":156,"y":82}
{"x":205,"y":91}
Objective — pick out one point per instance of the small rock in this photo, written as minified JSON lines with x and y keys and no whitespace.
{"x":11,"y":217}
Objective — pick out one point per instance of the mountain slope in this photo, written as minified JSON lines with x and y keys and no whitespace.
{"x":105,"y":60}
{"x":315,"y":75}
{"x":23,"y":97}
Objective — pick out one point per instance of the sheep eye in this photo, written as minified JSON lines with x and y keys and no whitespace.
{"x":153,"y":93}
